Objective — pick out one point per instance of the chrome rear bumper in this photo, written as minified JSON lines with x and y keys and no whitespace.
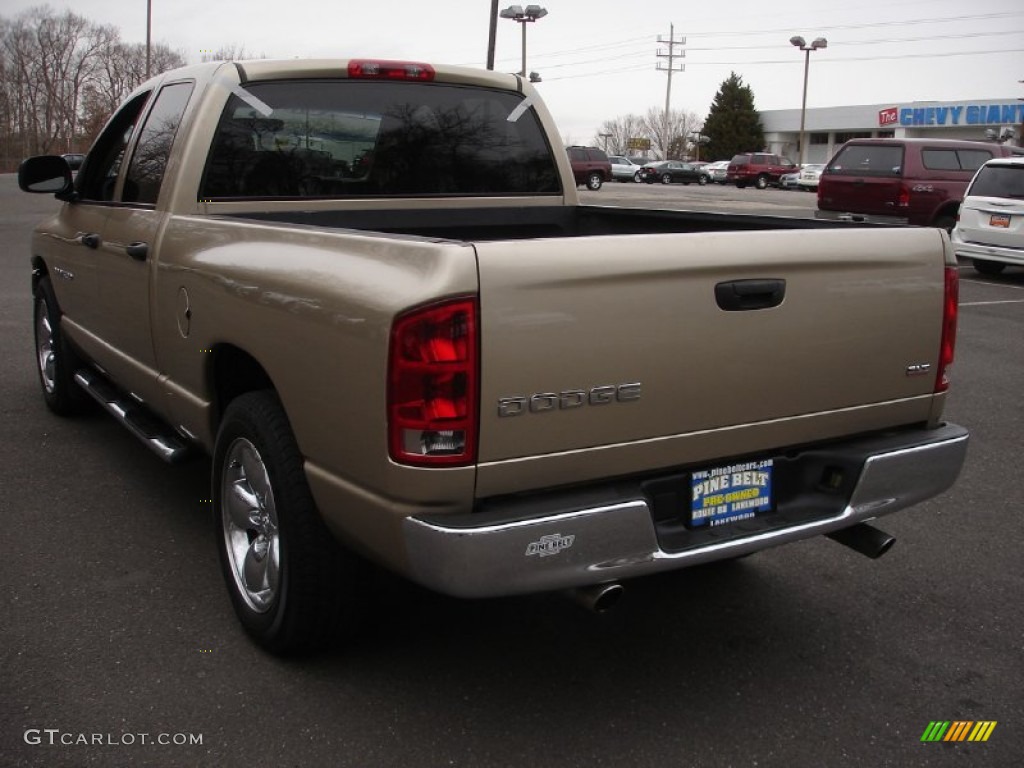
{"x":584,"y":543}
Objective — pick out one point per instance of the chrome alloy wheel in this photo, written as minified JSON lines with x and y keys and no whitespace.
{"x":249,"y":517}
{"x":44,"y":347}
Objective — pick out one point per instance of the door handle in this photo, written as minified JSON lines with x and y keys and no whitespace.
{"x":90,"y":240}
{"x":744,"y":295}
{"x":138,"y":251}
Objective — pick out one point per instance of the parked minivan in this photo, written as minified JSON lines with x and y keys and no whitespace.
{"x":902,"y":181}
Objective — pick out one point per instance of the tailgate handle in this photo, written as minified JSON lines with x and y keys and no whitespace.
{"x":743,"y":295}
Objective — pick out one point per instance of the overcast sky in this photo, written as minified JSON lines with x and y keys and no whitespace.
{"x":598,"y":58}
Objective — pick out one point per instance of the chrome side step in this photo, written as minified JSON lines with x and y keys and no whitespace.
{"x":139,"y":420}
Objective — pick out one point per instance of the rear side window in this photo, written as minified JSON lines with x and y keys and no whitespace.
{"x":954,"y":159}
{"x":350,"y":138}
{"x":999,"y":181}
{"x":866,"y":160}
{"x":740,"y":160}
{"x":149,"y":161}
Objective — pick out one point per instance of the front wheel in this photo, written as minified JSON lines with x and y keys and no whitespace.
{"x":762,"y":182}
{"x":666,"y":179}
{"x":636,"y":177}
{"x":986,"y":267}
{"x":702,"y":180}
{"x":56,"y":362}
{"x":293,"y":587}
{"x":594,"y":181}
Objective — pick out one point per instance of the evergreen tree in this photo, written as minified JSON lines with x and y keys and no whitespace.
{"x":733,"y":125}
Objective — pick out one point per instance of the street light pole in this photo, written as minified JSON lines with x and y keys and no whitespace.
{"x":524,"y":16}
{"x":800,"y":43}
{"x":149,"y":29}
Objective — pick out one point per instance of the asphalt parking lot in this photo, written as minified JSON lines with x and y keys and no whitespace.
{"x":114,"y":622}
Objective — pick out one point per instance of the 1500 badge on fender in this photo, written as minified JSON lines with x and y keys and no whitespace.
{"x":568,"y":399}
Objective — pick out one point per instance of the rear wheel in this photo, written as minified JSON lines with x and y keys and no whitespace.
{"x":986,"y":267}
{"x":56,"y":362}
{"x":292,"y":585}
{"x":594,"y":181}
{"x":945,"y":221}
{"x":666,"y":179}
{"x":702,"y":180}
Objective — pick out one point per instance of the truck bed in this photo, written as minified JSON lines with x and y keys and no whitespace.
{"x":481,"y":224}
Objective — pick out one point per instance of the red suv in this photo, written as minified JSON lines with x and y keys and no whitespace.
{"x":902,"y":181}
{"x":757,"y":168}
{"x":590,"y":166}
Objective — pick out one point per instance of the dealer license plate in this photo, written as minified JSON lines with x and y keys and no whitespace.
{"x":999,"y":220}
{"x":729,"y":494}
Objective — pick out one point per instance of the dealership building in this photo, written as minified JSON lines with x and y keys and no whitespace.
{"x":828,"y":128}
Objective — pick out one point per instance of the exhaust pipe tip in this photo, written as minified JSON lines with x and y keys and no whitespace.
{"x":599,"y":597}
{"x":864,"y":538}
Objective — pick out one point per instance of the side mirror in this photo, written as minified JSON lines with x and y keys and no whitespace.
{"x":45,"y":173}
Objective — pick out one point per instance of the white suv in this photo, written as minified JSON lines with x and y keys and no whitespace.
{"x":990,"y":227}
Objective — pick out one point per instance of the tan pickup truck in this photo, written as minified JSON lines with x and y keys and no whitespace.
{"x":368,"y":290}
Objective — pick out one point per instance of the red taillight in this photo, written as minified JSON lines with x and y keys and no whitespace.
{"x":947,"y":347}
{"x":432,"y":385}
{"x":903,"y":197}
{"x":390,"y":70}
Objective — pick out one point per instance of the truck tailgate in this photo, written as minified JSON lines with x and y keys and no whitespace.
{"x":593,"y":347}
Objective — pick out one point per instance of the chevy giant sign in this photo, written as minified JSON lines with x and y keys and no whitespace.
{"x":953,"y":114}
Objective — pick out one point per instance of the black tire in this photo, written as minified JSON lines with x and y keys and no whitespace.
{"x":762,"y":182}
{"x":636,"y":177}
{"x":945,"y":221}
{"x":740,"y":185}
{"x":666,"y":178}
{"x":294,"y":588}
{"x":594,"y":181}
{"x":986,"y":267}
{"x":702,"y":180}
{"x":56,"y":361}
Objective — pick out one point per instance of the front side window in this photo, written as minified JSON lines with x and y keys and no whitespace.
{"x":98,"y":177}
{"x":149,"y":161}
{"x":350,"y":138}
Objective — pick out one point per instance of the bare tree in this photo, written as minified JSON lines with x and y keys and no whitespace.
{"x":229,"y":52}
{"x":61,"y":76}
{"x":121,"y":70}
{"x":669,"y":132}
{"x":619,"y":131}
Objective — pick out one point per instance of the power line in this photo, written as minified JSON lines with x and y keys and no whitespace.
{"x":823,"y":62}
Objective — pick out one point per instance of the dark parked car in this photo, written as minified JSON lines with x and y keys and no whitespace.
{"x":590,"y":166}
{"x":673,"y":171}
{"x":758,"y":168}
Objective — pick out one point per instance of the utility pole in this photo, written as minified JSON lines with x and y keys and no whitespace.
{"x":669,"y":67}
{"x":493,"y":34}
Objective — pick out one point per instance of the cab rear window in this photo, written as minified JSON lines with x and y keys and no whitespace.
{"x":354,"y":138}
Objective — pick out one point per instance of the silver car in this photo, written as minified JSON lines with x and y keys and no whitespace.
{"x":624,"y":169}
{"x":990,"y":227}
{"x":809,"y":176}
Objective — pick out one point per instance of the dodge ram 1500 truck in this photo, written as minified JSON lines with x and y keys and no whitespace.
{"x":369,"y":291}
